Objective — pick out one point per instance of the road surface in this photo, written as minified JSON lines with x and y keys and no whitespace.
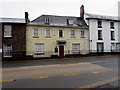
{"x":71,"y":74}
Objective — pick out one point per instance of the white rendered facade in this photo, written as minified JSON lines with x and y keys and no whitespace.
{"x":110,"y":40}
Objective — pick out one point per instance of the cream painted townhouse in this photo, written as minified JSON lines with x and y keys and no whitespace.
{"x":51,"y":35}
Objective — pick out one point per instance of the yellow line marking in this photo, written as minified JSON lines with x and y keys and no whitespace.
{"x":7,"y":80}
{"x":40,"y":77}
{"x":98,"y":72}
{"x":99,"y":83}
{"x":71,"y":74}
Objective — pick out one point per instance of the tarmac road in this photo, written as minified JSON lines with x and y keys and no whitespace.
{"x":69,"y":74}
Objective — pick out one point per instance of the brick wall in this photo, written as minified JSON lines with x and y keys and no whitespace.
{"x":18,"y":40}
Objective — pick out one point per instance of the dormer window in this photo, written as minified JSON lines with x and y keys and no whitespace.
{"x":47,"y":20}
{"x":70,"y":21}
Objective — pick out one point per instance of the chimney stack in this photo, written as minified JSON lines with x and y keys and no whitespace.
{"x":82,"y":12}
{"x":26,"y":17}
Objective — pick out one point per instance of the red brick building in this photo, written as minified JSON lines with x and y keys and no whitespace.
{"x":13,"y":38}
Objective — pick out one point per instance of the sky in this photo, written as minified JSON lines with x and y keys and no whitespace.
{"x":35,"y":8}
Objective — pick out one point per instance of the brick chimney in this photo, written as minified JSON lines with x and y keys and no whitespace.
{"x":82,"y":12}
{"x":26,"y":17}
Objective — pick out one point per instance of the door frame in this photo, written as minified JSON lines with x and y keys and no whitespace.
{"x":59,"y":50}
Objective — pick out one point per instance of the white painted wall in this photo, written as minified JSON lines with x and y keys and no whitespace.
{"x":106,"y":35}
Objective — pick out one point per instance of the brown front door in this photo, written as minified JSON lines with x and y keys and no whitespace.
{"x":61,"y":51}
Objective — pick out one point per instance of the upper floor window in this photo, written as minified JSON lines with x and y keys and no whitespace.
{"x":100,"y":35}
{"x":112,"y":25}
{"x":35,"y":33}
{"x":82,"y":34}
{"x":7,"y":30}
{"x":48,"y":33}
{"x":99,"y":24}
{"x":72,"y":34}
{"x":60,"y":32}
{"x":112,"y":35}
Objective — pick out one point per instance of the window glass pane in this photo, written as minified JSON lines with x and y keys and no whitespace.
{"x":72,"y":33}
{"x":7,"y":50}
{"x":82,"y":34}
{"x":76,"y":48}
{"x":39,"y":48}
{"x":60,"y":33}
{"x":35,"y":33}
{"x":7,"y":30}
{"x":99,"y":24}
{"x":47,"y":33}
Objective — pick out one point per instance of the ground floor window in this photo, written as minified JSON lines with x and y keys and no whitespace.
{"x":7,"y":50}
{"x":100,"y":47}
{"x":118,"y":47}
{"x":76,"y":48}
{"x":113,"y":47}
{"x":39,"y":48}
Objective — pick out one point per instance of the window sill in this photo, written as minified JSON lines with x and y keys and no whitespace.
{"x":82,"y":37}
{"x":35,"y":37}
{"x":38,"y":53}
{"x":7,"y":56}
{"x":73,"y":37}
{"x":47,"y":37}
{"x":7,"y":36}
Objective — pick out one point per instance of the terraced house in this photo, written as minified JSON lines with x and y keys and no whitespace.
{"x":13,"y":35}
{"x":50,"y":35}
{"x":104,"y":33}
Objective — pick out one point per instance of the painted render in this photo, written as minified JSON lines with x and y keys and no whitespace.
{"x":106,"y":35}
{"x":51,"y":43}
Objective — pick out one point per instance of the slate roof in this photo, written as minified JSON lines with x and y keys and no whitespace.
{"x":102,"y":17}
{"x":59,"y":21}
{"x":12,"y":20}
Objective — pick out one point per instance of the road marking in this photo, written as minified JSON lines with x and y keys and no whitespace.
{"x":40,"y":77}
{"x":7,"y":80}
{"x":71,"y":74}
{"x":98,"y":83}
{"x":98,"y":72}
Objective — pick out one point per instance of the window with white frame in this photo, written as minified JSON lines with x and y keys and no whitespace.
{"x":48,"y":33}
{"x":7,"y":50}
{"x":60,"y":33}
{"x":72,"y":34}
{"x":76,"y":48}
{"x":82,"y":34}
{"x":7,"y":30}
{"x":112,"y":35}
{"x":112,"y":25}
{"x":100,"y":35}
{"x":99,"y":24}
{"x":39,"y":48}
{"x":35,"y":33}
{"x":113,"y":47}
